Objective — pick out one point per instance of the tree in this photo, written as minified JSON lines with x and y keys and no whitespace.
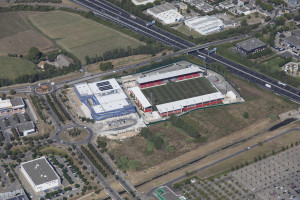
{"x":268,"y":18}
{"x":280,"y":21}
{"x":244,"y":22}
{"x":34,"y":54}
{"x":246,"y":115}
{"x":12,"y":92}
{"x":106,"y":66}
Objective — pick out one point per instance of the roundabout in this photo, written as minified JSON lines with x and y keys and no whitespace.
{"x":75,"y":135}
{"x":44,"y":88}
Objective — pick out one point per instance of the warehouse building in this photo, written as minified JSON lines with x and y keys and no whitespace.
{"x":26,"y":128}
{"x":10,"y":105}
{"x":205,"y":25}
{"x":40,"y":174}
{"x":167,"y":13}
{"x":105,"y":99}
{"x":252,"y":45}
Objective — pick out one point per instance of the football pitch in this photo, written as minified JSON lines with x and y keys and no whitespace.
{"x":179,"y":90}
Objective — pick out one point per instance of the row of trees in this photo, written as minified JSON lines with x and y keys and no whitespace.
{"x":106,"y":66}
{"x":99,"y":157}
{"x":66,"y":114}
{"x":95,"y":163}
{"x":38,"y":1}
{"x":259,"y":54}
{"x":152,"y":48}
{"x":53,"y":107}
{"x":263,"y":5}
{"x":23,"y":7}
{"x":38,"y":104}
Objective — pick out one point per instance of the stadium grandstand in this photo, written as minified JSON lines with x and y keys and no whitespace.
{"x":105,"y":99}
{"x":180,"y":106}
{"x":140,"y":98}
{"x":172,"y":76}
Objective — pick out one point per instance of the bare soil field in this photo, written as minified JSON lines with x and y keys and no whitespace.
{"x":17,"y":35}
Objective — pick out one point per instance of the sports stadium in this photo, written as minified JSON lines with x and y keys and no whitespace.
{"x":176,"y":91}
{"x":105,"y":99}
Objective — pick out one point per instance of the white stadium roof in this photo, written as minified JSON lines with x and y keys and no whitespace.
{"x":176,"y":105}
{"x":204,"y":24}
{"x":140,"y":96}
{"x":156,"y":77}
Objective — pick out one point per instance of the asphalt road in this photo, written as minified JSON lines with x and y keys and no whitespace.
{"x":170,"y":183}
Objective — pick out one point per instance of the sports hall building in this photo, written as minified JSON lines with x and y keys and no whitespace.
{"x":105,"y":99}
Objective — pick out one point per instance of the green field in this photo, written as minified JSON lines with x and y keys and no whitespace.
{"x":79,"y":35}
{"x":179,"y":90}
{"x":274,"y":63}
{"x":11,"y":68}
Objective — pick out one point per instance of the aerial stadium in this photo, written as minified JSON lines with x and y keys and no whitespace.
{"x":105,"y":99}
{"x":176,"y":91}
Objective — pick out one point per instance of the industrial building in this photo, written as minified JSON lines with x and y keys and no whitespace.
{"x":105,"y":99}
{"x":40,"y":174}
{"x":10,"y":105}
{"x":251,"y":45}
{"x":141,"y":2}
{"x":204,"y":24}
{"x":26,"y":128}
{"x":167,"y":13}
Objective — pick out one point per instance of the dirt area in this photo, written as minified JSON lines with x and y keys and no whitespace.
{"x":121,"y":62}
{"x":209,"y":159}
{"x":122,"y":135}
{"x":18,"y":35}
{"x":65,"y":136}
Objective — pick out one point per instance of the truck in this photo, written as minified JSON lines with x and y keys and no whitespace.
{"x":268,"y":85}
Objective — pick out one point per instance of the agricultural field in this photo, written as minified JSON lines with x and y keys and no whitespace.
{"x":79,"y":35}
{"x":212,"y":123}
{"x":17,"y":35}
{"x":179,"y":90}
{"x":14,"y":67}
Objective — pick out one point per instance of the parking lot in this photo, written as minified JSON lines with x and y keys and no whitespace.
{"x":276,"y":177}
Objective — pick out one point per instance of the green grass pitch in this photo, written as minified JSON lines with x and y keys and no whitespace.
{"x":179,"y":90}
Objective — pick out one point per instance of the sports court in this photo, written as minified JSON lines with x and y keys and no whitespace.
{"x":174,"y":91}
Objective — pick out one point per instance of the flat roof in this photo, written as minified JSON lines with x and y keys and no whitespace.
{"x":251,"y":44}
{"x":166,"y":75}
{"x":17,"y":102}
{"x":176,"y":105}
{"x":140,"y":96}
{"x":26,"y":126}
{"x":293,"y":40}
{"x":40,"y":171}
{"x":5,"y":103}
{"x":170,"y":16}
{"x":204,"y":24}
{"x":162,"y":8}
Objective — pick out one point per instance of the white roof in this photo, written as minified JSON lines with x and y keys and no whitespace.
{"x":5,"y":103}
{"x":95,"y":89}
{"x":169,"y":17}
{"x":204,"y":24}
{"x":161,"y":8}
{"x":140,"y":96}
{"x":176,"y":105}
{"x":109,"y":99}
{"x":156,"y":77}
{"x":83,"y":89}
